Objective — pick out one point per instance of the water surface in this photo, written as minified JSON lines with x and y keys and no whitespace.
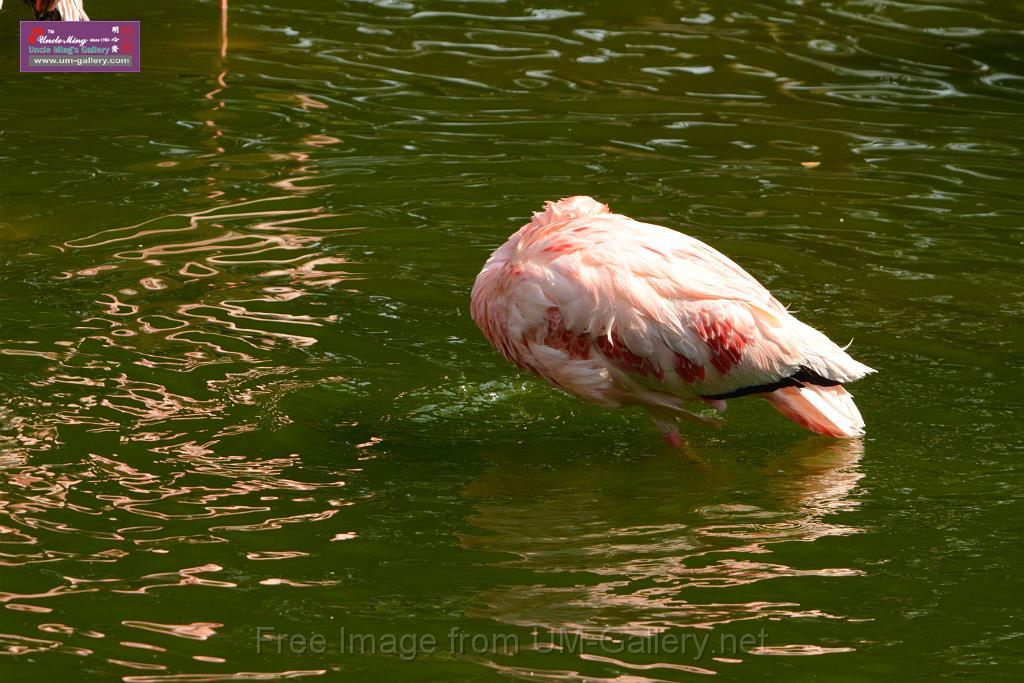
{"x":242,"y":403}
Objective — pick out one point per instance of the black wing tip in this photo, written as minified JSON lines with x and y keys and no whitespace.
{"x":798,"y":379}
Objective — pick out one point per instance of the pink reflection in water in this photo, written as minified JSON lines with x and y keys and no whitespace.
{"x":195,"y":631}
{"x":644,"y":581}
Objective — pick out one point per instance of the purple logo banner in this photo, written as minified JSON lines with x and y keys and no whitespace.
{"x":80,"y":46}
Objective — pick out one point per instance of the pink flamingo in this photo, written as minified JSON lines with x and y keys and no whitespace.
{"x":57,"y":10}
{"x":618,"y":313}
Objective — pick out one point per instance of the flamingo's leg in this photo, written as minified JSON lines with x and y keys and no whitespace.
{"x":708,"y":420}
{"x":717,"y":404}
{"x":666,"y":424}
{"x":665,"y":416}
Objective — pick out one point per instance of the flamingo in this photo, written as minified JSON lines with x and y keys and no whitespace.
{"x":622,"y":313}
{"x":57,"y":10}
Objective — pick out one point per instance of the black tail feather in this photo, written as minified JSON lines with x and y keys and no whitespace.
{"x":798,"y":379}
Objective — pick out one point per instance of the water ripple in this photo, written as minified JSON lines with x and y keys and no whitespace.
{"x":238,"y":384}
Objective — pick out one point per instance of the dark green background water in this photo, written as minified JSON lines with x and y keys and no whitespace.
{"x":240,"y":388}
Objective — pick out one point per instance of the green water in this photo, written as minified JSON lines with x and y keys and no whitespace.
{"x":248,"y":430}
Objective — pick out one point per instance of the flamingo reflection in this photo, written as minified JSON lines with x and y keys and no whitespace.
{"x":637,"y":548}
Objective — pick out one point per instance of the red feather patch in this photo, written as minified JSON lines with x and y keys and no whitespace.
{"x":614,"y":350}
{"x":558,"y":337}
{"x":688,"y":370}
{"x":724,"y":342}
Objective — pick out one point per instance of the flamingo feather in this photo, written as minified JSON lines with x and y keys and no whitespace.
{"x":57,"y":10}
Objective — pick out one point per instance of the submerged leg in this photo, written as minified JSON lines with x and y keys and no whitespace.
{"x":709,"y":420}
{"x":666,"y":424}
{"x":665,"y":409}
